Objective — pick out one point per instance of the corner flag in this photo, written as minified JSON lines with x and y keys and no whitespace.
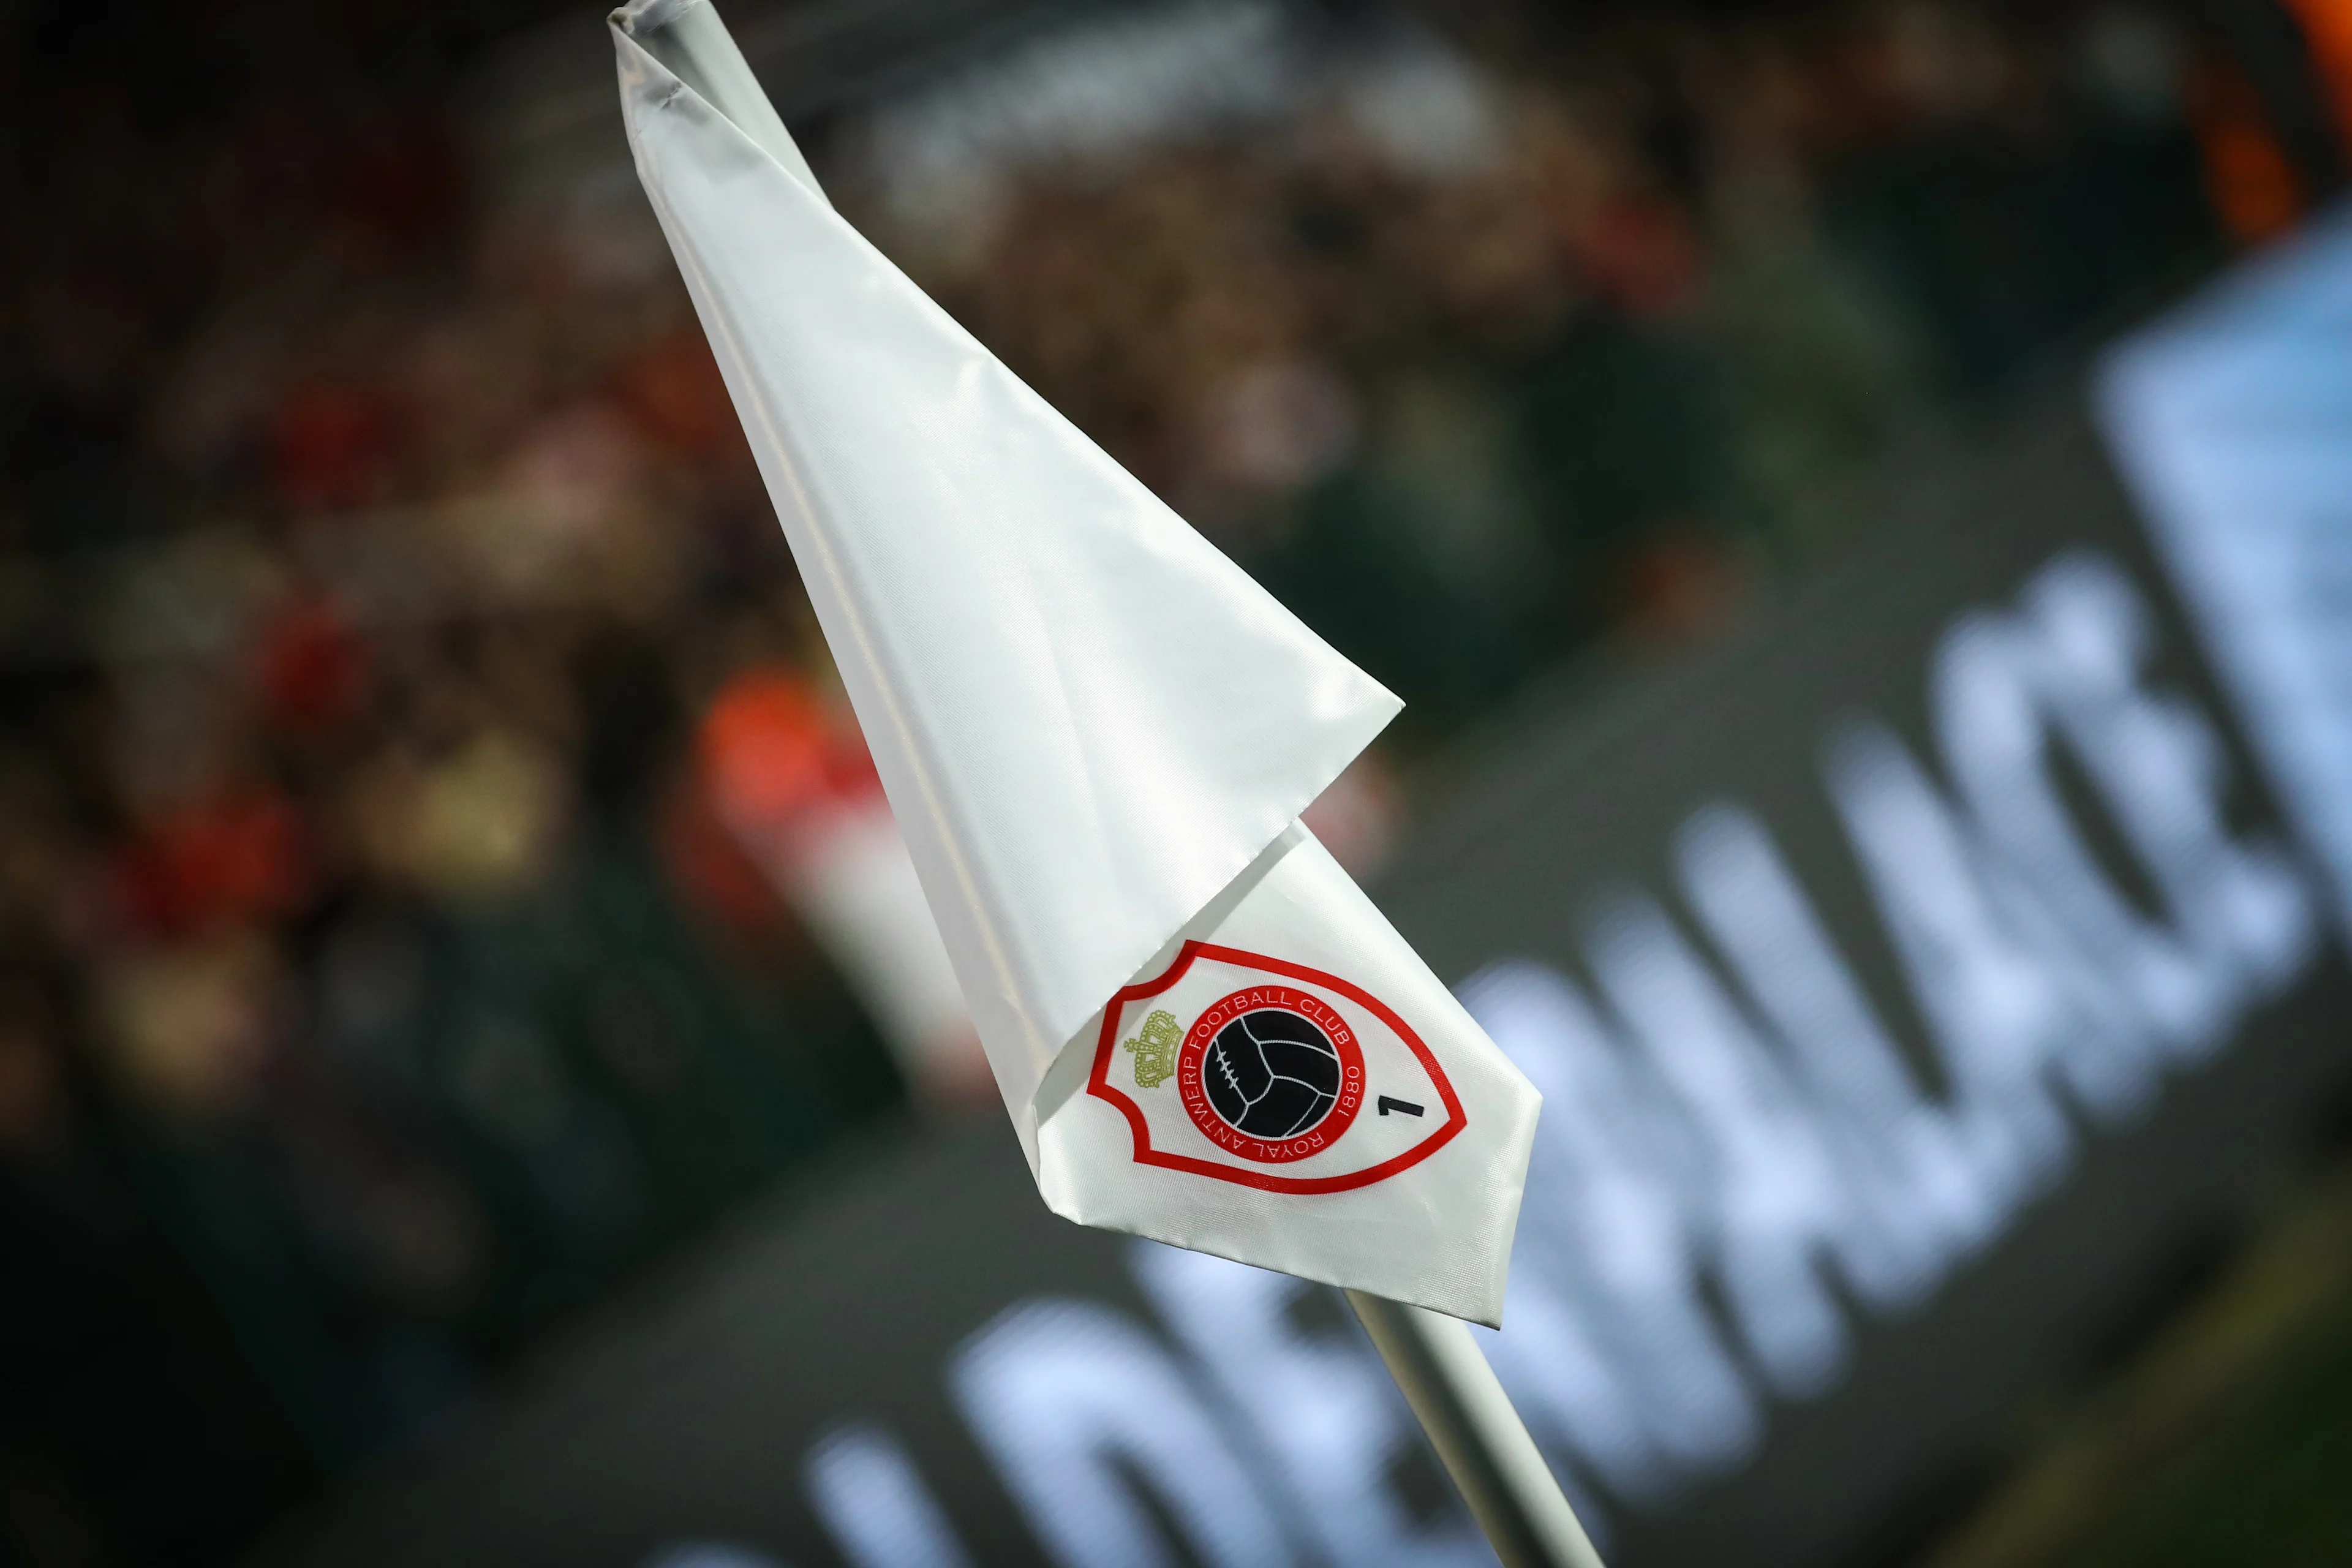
{"x":1097,"y":733}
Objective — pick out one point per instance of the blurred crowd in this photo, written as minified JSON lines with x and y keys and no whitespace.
{"x":384,"y":583}
{"x":1481,"y":359}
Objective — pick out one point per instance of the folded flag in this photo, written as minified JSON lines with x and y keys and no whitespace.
{"x":1097,"y":734}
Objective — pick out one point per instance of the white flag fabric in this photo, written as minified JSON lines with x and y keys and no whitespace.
{"x":1097,"y":734}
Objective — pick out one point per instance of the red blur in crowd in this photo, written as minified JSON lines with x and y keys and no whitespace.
{"x":330,"y":447}
{"x":311,"y":669}
{"x":673,"y":388}
{"x":770,"y":756}
{"x":773,"y":754}
{"x":1639,"y":254}
{"x":235,"y":860}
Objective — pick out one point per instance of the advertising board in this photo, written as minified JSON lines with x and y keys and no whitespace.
{"x":1923,"y":984}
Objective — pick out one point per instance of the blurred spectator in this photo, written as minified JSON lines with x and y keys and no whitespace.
{"x":789,"y":775}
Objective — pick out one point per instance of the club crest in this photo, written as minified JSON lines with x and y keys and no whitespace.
{"x":1270,"y":1074}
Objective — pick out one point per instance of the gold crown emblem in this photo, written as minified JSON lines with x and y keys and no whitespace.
{"x":1155,"y":1050}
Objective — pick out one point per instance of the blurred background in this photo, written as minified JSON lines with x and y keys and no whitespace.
{"x":441,"y":884}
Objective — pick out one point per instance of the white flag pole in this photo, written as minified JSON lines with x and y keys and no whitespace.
{"x":1477,"y":1434}
{"x":903,"y":456}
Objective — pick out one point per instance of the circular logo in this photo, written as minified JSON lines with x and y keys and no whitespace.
{"x":1272,"y":1073}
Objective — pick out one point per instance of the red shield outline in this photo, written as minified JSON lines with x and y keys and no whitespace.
{"x":1098,"y":1082}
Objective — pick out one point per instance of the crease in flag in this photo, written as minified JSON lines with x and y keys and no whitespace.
{"x":1097,"y":733}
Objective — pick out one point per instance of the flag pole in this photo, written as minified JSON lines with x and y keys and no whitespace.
{"x":990,"y":839}
{"x":1478,"y":1436}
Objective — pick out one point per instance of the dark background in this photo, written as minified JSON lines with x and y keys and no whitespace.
{"x":682,"y":1416}
{"x":378,"y":993}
